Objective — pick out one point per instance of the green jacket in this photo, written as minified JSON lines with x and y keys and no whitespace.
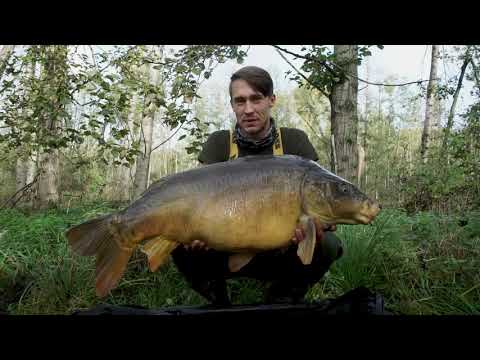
{"x":295,"y":142}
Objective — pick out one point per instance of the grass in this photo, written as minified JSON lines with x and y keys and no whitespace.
{"x":425,"y":264}
{"x":422,"y":264}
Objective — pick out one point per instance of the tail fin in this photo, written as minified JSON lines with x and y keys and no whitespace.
{"x":94,"y":237}
{"x":85,"y":239}
{"x":111,"y":264}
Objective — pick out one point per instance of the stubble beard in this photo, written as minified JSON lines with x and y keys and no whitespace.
{"x":260,"y":133}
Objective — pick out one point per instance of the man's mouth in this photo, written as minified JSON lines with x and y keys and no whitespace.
{"x":250,"y":123}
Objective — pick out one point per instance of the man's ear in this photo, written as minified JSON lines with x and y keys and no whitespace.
{"x":273,"y":98}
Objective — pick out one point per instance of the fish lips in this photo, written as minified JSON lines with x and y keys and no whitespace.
{"x":366,"y":216}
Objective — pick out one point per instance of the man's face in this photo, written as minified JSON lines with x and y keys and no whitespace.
{"x":251,"y":108}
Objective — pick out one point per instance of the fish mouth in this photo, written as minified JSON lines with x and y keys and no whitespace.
{"x":364,"y":218}
{"x":359,"y":218}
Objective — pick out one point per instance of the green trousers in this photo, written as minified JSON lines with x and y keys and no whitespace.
{"x":207,"y":270}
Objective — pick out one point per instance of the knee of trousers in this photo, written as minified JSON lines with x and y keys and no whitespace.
{"x":209,"y":264}
{"x":331,"y":247}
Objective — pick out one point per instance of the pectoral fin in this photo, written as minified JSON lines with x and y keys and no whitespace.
{"x":237,"y":261}
{"x":157,"y":250}
{"x":307,"y":246}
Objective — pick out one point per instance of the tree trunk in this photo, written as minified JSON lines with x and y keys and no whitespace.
{"x":25,"y":167}
{"x":54,"y":77}
{"x":362,"y":153}
{"x":48,"y":195}
{"x":344,"y":119}
{"x":121,"y":189}
{"x":361,"y":163}
{"x":451,"y":115}
{"x":475,"y":73}
{"x":142,"y":173}
{"x":24,"y":175}
{"x":5,"y":52}
{"x":430,"y":104}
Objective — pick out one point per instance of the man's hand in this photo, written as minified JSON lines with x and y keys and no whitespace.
{"x":320,"y":228}
{"x":196,"y":245}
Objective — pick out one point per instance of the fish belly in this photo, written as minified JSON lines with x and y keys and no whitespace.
{"x":253,"y":221}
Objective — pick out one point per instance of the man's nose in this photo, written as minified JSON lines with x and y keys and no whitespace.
{"x":248,"y":107}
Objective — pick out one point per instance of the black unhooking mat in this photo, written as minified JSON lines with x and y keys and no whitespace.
{"x":355,"y":302}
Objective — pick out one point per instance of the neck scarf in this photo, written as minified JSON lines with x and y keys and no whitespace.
{"x":248,"y":143}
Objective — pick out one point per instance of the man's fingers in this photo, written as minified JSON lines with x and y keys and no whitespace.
{"x":298,"y":237}
{"x":197,"y":245}
{"x":330,"y":227}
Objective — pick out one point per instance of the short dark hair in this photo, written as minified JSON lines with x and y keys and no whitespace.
{"x":256,"y":77}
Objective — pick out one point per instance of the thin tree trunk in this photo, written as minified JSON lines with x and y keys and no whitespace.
{"x":48,"y":181}
{"x":142,"y":173}
{"x":20,"y":174}
{"x":344,"y":118}
{"x":25,"y":166}
{"x":475,"y":73}
{"x":143,"y":160}
{"x":55,"y":71}
{"x":24,"y":175}
{"x":362,"y":151}
{"x":454,"y":104}
{"x":361,"y":163}
{"x":121,"y":175}
{"x":333,"y":160}
{"x":430,"y":104}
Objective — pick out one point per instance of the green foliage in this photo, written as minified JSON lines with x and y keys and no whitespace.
{"x":189,"y":66}
{"x":422,"y":264}
{"x":323,"y":68}
{"x":313,"y":111}
{"x":106,"y":81}
{"x":451,"y":182}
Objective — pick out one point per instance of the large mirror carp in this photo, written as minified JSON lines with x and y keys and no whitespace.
{"x":244,"y":206}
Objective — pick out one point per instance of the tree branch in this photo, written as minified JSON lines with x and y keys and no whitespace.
{"x":146,"y":60}
{"x":324,"y":63}
{"x":299,"y":73}
{"x":163,"y":142}
{"x":451,"y":114}
{"x":307,"y":58}
{"x":315,"y":131}
{"x":22,"y":190}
